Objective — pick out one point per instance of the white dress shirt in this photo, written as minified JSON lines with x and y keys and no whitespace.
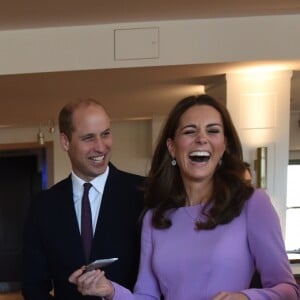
{"x":95,"y":195}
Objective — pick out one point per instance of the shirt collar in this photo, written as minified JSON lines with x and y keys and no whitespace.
{"x":98,"y":182}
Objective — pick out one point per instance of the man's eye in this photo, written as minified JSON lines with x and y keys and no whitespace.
{"x":87,"y":138}
{"x":106,"y":134}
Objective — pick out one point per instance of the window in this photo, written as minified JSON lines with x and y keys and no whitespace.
{"x":293,"y":206}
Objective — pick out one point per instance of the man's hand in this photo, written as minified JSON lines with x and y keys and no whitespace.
{"x":93,"y":283}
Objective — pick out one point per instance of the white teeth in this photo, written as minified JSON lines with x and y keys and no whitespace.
{"x":200,"y":153}
{"x":97,"y":158}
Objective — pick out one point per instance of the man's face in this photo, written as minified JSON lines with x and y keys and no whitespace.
{"x":91,"y":143}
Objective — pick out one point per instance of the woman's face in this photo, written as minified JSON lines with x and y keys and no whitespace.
{"x":199,"y":143}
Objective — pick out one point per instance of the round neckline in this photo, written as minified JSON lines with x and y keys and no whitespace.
{"x":193,"y":212}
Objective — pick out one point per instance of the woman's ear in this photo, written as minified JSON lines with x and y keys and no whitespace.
{"x":64,"y":142}
{"x":225,"y":145}
{"x":170,"y":146}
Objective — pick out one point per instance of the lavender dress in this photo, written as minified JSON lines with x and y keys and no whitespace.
{"x":182,"y":263}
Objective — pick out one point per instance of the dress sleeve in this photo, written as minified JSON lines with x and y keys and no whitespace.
{"x":146,"y":287}
{"x":268,"y":250}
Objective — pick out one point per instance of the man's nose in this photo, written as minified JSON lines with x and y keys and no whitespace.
{"x":99,"y":144}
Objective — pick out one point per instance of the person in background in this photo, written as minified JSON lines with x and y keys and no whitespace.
{"x":247,"y":173}
{"x":205,"y":230}
{"x":52,"y":237}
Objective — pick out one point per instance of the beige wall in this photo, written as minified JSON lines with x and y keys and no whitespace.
{"x":131,"y":151}
{"x":295,"y":131}
{"x":295,"y":135}
{"x":180,"y":42}
{"x":133,"y":143}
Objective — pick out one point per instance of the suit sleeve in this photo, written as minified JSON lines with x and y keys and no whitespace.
{"x":36,"y":284}
{"x":268,"y":251}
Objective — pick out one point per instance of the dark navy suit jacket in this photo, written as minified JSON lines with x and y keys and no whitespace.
{"x":52,"y":243}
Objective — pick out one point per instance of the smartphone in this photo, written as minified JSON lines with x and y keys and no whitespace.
{"x":100,"y":263}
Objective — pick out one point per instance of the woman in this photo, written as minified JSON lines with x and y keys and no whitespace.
{"x":206,"y":230}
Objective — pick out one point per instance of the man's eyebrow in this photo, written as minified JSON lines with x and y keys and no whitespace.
{"x":87,"y":135}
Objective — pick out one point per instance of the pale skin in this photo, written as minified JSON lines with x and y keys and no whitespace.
{"x":93,"y":283}
{"x":200,"y":130}
{"x":90,"y":146}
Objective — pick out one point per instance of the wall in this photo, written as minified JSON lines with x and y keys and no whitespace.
{"x":295,"y":131}
{"x":259,"y":103}
{"x":131,"y":150}
{"x":133,"y":143}
{"x":180,"y":42}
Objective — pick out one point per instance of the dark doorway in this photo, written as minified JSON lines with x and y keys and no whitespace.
{"x":23,"y":174}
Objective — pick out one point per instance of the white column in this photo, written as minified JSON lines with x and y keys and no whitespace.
{"x":259,"y":103}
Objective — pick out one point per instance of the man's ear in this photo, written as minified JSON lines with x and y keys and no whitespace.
{"x":64,"y":141}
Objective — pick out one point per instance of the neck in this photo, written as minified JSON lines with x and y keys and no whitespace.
{"x":198,"y":193}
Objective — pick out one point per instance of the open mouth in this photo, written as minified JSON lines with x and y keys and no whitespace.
{"x":97,"y":158}
{"x":199,"y":156}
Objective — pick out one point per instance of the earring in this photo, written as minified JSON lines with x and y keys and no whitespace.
{"x":173,"y":162}
{"x":220,"y":162}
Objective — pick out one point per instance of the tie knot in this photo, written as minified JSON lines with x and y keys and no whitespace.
{"x":86,"y":187}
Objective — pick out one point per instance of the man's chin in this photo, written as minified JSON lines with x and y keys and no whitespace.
{"x":101,"y":169}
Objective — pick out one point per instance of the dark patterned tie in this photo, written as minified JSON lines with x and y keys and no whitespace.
{"x":86,"y":222}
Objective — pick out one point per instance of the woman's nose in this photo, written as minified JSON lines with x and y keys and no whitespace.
{"x":201,"y":138}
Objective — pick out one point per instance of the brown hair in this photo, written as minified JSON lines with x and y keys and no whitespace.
{"x":65,"y":118}
{"x":165,"y":189}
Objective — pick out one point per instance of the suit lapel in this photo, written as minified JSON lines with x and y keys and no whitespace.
{"x":69,"y":220}
{"x":107,"y":203}
{"x":105,"y":223}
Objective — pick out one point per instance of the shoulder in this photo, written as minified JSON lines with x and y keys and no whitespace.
{"x":259,"y":199}
{"x":260,"y":205}
{"x":120,"y":174}
{"x":61,"y":186}
{"x":128,"y":188}
{"x":148,"y":216}
{"x":147,"y":221}
{"x":61,"y":189}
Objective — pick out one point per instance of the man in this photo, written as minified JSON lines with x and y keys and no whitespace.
{"x":53,"y":248}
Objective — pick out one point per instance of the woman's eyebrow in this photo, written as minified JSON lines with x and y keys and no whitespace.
{"x":215,"y":124}
{"x":188,"y":125}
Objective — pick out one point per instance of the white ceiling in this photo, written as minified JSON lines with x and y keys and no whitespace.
{"x":127,"y":93}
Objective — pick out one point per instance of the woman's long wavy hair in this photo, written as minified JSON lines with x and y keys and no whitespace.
{"x":165,"y":190}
